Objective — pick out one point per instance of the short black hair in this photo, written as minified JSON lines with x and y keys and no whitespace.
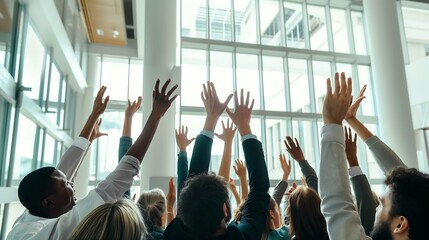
{"x":200,"y":205}
{"x":410,"y":198}
{"x":34,"y":187}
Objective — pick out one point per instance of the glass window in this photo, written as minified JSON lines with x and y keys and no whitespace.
{"x":270,"y":22}
{"x":317,"y":28}
{"x":359,"y":33}
{"x":194,"y":18}
{"x":299,"y":88}
{"x":136,"y":79}
{"x":294,"y":25}
{"x":221,"y":74}
{"x":245,"y":21}
{"x":305,"y":132}
{"x":25,"y":148}
{"x":49,"y":151}
{"x":275,"y":134}
{"x":33,"y":63}
{"x":339,"y":30}
{"x":274,"y":83}
{"x":248,"y":77}
{"x":321,"y":71}
{"x":7,"y":11}
{"x":368,"y":104}
{"x":53,"y":94}
{"x":194,"y":75}
{"x":220,"y":20}
{"x":114,"y":75}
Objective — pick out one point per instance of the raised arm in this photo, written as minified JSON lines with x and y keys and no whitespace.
{"x":182,"y":158}
{"x":241,"y":171}
{"x":227,"y":137}
{"x":117,"y":182}
{"x":295,"y":151}
{"x":72,"y":158}
{"x":255,"y":211}
{"x":281,"y":187}
{"x":386,"y":158}
{"x":234,"y":191}
{"x":171,"y":201}
{"x":200,"y":159}
{"x":337,"y":206}
{"x":364,"y":199}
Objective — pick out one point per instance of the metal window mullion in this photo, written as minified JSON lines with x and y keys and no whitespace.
{"x":15,"y":37}
{"x":261,"y":82}
{"x":258,"y":22}
{"x":305,"y":24}
{"x":287,"y":85}
{"x":129,"y":73}
{"x":350,"y":34}
{"x":329,"y":28}
{"x":36,"y":145}
{"x":43,"y":153}
{"x":310,"y":80}
{"x":101,"y":70}
{"x":402,"y":33}
{"x":48,"y":89}
{"x":42,"y":77}
{"x":234,"y":89}
{"x":208,"y":35}
{"x":232,"y":20}
{"x":282,"y":25}
{"x":208,"y":62}
{"x":59,"y":100}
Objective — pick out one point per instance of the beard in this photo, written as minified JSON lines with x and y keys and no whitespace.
{"x":382,"y":231}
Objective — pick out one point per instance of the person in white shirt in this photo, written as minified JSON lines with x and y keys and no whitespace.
{"x":52,"y":212}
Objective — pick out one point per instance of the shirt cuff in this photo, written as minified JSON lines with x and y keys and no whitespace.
{"x":207,"y":133}
{"x":81,"y":143}
{"x":182,"y":154}
{"x":355,"y":171}
{"x":248,"y":136}
{"x":333,"y":133}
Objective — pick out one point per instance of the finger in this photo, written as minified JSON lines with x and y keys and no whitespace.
{"x":205,"y":91}
{"x":172,"y":90}
{"x":157,"y":86}
{"x":139,"y":101}
{"x":230,"y":114}
{"x":297,"y":143}
{"x":164,"y":87}
{"x":223,"y":125}
{"x":228,"y":99}
{"x":288,"y":164}
{"x":343,"y":86}
{"x":355,"y":138}
{"x":129,"y":103}
{"x":177,"y":134}
{"x":214,"y":91}
{"x":287,"y":145}
{"x":209,"y":90}
{"x":328,"y":87}
{"x":191,"y":140}
{"x":235,"y":99}
{"x":241,"y":97}
{"x":290,"y":141}
{"x":251,"y":105}
{"x":235,"y":169}
{"x":362,"y":91}
{"x":218,"y":135}
{"x":349,"y":87}
{"x":247,"y":99}
{"x":173,"y":98}
{"x":345,"y":133}
{"x":337,"y":84}
{"x":186,"y":130}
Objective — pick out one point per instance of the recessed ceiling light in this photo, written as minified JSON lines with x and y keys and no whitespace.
{"x":115,"y":33}
{"x":100,"y":32}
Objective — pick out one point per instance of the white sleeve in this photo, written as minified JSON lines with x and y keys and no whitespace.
{"x":72,"y":158}
{"x":337,"y":206}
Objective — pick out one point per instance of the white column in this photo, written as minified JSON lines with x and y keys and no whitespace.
{"x":159,"y":59}
{"x":388,"y":70}
{"x":84,"y":108}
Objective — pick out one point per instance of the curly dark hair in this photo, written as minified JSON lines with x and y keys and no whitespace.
{"x":410,"y":198}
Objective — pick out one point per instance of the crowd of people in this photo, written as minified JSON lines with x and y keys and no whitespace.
{"x":323,"y":207}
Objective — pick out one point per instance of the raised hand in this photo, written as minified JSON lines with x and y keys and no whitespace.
{"x":354,"y":107}
{"x":231,"y":183}
{"x":291,"y":189}
{"x":286,"y":167}
{"x":182,"y":138}
{"x":161,"y":99}
{"x":133,"y":107}
{"x":242,"y":114}
{"x":99,"y":105}
{"x":228,"y":131}
{"x":240,"y":169}
{"x":171,"y":194}
{"x":337,"y":103}
{"x":294,"y":149}
{"x":214,"y":108}
{"x":351,"y":148}
{"x":96,"y":131}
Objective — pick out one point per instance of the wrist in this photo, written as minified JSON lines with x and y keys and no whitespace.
{"x":245,"y":130}
{"x":170,"y":208}
{"x":285,"y":177}
{"x":353,"y":162}
{"x":210,"y":123}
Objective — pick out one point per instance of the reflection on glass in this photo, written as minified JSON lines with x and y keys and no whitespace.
{"x":6,"y":9}
{"x":33,"y":63}
{"x":221,"y":74}
{"x":136,"y":79}
{"x":248,"y":77}
{"x":294,"y":25}
{"x":317,"y":28}
{"x":275,"y":133}
{"x":194,"y":75}
{"x":271,"y":22}
{"x":25,"y":141}
{"x":359,"y":33}
{"x":114,"y":75}
{"x":299,"y":89}
{"x":274,"y":87}
{"x":321,"y":72}
{"x":304,"y":133}
{"x":368,"y":104}
{"x":245,"y":21}
{"x":49,"y":151}
{"x":220,"y":20}
{"x":339,"y":30}
{"x":53,"y":94}
{"x":194,"y":18}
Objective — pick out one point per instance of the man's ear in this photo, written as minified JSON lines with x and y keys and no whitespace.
{"x":225,"y":210}
{"x":48,"y":203}
{"x":400,"y":225}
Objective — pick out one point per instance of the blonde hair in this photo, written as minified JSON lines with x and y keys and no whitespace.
{"x":117,"y":220}
{"x":152,"y":206}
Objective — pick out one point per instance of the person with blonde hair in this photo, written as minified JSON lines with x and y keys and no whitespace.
{"x":114,"y":220}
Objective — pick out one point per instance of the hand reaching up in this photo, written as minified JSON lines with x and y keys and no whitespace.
{"x":161,"y":99}
{"x":354,"y":107}
{"x":294,"y":149}
{"x":96,"y":131}
{"x":351,"y":148}
{"x":214,"y":108}
{"x":337,"y":103}
{"x":99,"y":105}
{"x":240,"y":169}
{"x":286,"y":167}
{"x":242,"y":114}
{"x":133,"y":107}
{"x":228,"y":132}
{"x":182,"y":138}
{"x":171,"y":194}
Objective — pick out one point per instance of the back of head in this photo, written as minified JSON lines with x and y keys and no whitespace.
{"x":152,"y":205}
{"x":201,"y":204}
{"x":305,"y":217}
{"x":118,"y":220}
{"x":34,"y":187}
{"x":410,"y":198}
